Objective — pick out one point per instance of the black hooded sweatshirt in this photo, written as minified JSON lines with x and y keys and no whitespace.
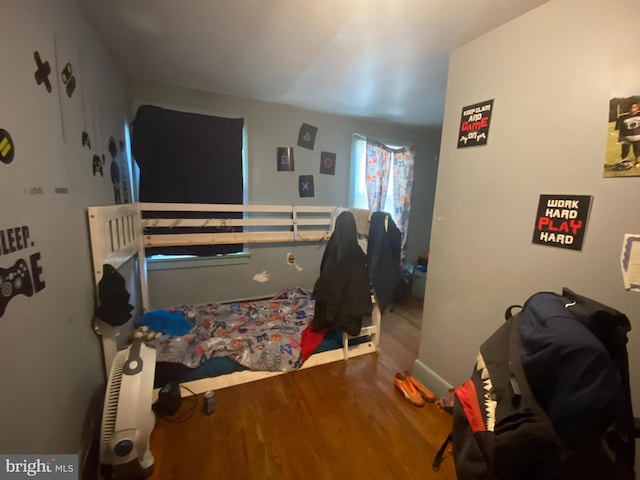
{"x":342,"y":291}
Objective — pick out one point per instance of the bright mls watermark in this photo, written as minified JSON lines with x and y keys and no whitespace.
{"x":52,"y":467}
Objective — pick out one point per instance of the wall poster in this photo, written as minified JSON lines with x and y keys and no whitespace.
{"x":328,"y":163}
{"x":622,"y":157}
{"x":305,"y":186}
{"x":474,"y":124}
{"x":285,"y":159}
{"x":562,"y":220}
{"x":307,"y":136}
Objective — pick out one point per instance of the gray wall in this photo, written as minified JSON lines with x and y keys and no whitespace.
{"x":551,"y":73}
{"x":51,"y":358}
{"x":269,"y":126}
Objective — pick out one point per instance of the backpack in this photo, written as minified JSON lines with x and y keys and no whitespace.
{"x":549,"y":397}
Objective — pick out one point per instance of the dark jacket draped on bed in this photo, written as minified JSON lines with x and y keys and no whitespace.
{"x":342,"y":292}
{"x":383,"y":257}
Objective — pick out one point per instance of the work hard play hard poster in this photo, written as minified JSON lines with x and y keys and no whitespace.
{"x":474,"y":124}
{"x":562,"y":220}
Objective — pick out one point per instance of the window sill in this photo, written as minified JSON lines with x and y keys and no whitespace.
{"x":167,"y":263}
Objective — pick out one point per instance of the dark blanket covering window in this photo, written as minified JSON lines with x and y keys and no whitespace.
{"x":188,"y":158}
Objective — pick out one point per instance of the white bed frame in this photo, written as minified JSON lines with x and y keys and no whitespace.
{"x":117,"y":235}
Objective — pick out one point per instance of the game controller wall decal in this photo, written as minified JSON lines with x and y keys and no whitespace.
{"x":43,"y":71}
{"x":97,"y":166}
{"x":119,"y":171}
{"x":68,"y":79}
{"x":24,"y":277}
{"x":7,"y":149}
{"x":86,"y":141}
{"x":113,"y":149}
{"x":124,"y":170}
{"x":115,"y":179}
{"x":125,"y":183}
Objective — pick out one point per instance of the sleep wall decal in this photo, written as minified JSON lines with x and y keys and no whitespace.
{"x":25,"y":275}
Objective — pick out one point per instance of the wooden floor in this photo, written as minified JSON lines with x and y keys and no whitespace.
{"x":341,"y":420}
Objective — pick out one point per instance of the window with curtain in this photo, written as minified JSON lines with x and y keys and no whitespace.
{"x":383,"y":179}
{"x":188,"y":158}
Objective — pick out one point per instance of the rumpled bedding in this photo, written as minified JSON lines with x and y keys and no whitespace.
{"x":261,"y":335}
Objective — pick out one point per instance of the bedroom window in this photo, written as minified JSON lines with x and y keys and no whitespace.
{"x":186,"y":157}
{"x":382,"y":178}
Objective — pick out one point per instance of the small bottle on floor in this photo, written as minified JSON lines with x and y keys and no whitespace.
{"x":209,"y":402}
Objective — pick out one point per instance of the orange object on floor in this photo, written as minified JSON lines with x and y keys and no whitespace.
{"x":406,"y":387}
{"x":425,"y":393}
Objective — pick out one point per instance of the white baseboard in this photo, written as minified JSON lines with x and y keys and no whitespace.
{"x":430,"y":379}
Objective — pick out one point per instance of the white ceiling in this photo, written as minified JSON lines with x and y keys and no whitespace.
{"x":381,"y":59}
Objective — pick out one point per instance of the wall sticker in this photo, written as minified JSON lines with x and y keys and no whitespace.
{"x":7,"y":148}
{"x":562,"y":220}
{"x":115,"y":179}
{"x":65,"y":61}
{"x":96,"y":164}
{"x":86,"y":101}
{"x":113,"y":148}
{"x":43,"y":71}
{"x":86,"y":141}
{"x":34,"y":191}
{"x":24,"y":276}
{"x":68,"y":79}
{"x":474,"y":124}
{"x":125,"y":182}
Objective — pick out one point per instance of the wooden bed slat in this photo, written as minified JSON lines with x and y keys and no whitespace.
{"x":280,"y":223}
{"x":170,"y":240}
{"x":232,"y":222}
{"x":221,"y":207}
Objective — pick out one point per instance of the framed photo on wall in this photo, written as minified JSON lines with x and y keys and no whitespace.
{"x":622,"y":157}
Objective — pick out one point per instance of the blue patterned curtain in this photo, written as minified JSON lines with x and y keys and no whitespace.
{"x":383,"y":163}
{"x":377,"y":174}
{"x":403,"y":164}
